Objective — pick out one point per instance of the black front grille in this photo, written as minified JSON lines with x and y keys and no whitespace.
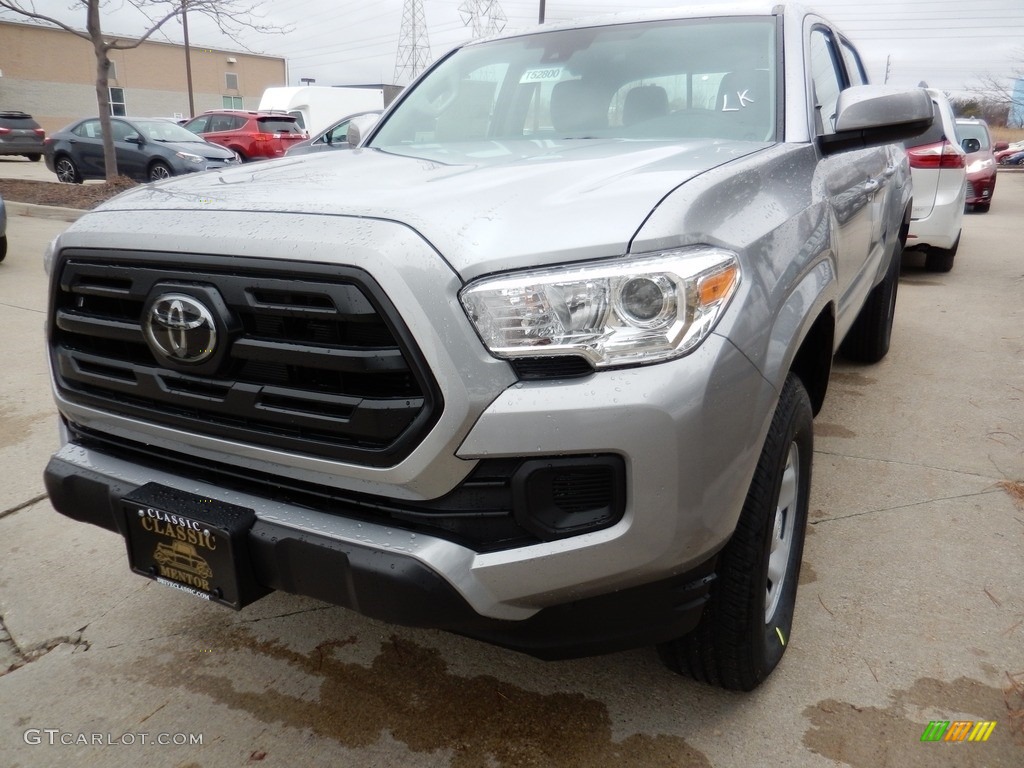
{"x":317,"y":358}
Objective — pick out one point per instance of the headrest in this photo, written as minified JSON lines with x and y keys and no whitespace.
{"x":644,"y":102}
{"x":576,"y":106}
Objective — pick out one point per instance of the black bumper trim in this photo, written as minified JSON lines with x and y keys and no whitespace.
{"x":399,"y":589}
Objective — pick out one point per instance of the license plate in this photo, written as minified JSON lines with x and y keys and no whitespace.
{"x":193,"y":544}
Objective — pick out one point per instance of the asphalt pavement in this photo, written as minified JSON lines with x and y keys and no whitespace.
{"x":910,"y":610}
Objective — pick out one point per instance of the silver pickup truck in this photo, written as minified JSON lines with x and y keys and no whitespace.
{"x":535,"y":364}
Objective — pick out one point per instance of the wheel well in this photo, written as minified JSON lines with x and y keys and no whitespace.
{"x":813,"y":361}
{"x":905,"y":225}
{"x":58,"y":156}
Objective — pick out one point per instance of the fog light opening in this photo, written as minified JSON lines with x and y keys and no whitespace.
{"x":557,"y":498}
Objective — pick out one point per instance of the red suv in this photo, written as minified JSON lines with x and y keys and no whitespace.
{"x":250,"y":135}
{"x":981,"y":163}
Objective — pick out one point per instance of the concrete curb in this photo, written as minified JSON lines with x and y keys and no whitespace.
{"x":43,"y":211}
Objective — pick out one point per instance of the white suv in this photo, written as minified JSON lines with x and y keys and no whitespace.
{"x":939,"y":170}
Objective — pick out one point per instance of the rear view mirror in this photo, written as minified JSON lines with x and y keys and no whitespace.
{"x":971,"y":145}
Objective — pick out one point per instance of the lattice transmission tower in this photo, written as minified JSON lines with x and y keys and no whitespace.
{"x":484,"y":17}
{"x":413,"y":43}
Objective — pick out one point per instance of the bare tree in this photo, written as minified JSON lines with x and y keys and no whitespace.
{"x":994,"y":113}
{"x":231,"y":17}
{"x":1000,"y":89}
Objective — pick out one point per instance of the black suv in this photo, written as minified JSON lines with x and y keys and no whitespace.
{"x":21,"y":135}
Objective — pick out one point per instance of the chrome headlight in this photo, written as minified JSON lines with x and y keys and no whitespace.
{"x":641,"y":309}
{"x":188,"y":157}
{"x":976,"y":166}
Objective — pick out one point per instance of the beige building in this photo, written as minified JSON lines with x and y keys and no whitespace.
{"x":51,"y":74}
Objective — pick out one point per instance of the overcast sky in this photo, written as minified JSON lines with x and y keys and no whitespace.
{"x":949,"y":44}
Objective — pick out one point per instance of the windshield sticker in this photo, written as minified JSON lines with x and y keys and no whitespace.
{"x":544,"y":75}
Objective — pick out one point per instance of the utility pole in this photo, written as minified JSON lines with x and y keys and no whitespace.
{"x":540,"y":16}
{"x":413,"y":44}
{"x":188,"y":58}
{"x":888,"y":67}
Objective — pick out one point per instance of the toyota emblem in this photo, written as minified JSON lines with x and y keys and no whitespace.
{"x":181,"y":329}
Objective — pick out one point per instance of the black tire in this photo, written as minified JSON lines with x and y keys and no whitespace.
{"x":746,"y":624}
{"x":35,"y":157}
{"x":66,"y":170}
{"x":868,"y":338}
{"x":3,"y":247}
{"x":159,"y":171}
{"x":941,"y":259}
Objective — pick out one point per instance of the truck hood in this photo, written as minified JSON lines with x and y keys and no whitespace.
{"x":484,"y":207}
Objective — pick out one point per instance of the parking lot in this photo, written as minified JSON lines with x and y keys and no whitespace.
{"x":910,"y":610}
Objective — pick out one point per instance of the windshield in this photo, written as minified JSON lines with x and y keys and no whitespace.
{"x":277,"y":125}
{"x":973,"y":131}
{"x":706,"y":78}
{"x":164,"y":130}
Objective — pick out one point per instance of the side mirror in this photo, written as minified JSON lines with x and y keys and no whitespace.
{"x":135,"y":138}
{"x":971,"y":145}
{"x":359,"y":128}
{"x":869,"y":115}
{"x":999,"y":146}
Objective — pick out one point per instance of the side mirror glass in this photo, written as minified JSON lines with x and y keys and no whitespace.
{"x":971,"y":145}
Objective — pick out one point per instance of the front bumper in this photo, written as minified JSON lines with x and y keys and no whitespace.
{"x":399,"y":588}
{"x":980,"y":189}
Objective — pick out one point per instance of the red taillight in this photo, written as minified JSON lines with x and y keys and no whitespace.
{"x":4,"y":131}
{"x":47,"y":141}
{"x":942,"y":154}
{"x":38,"y":131}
